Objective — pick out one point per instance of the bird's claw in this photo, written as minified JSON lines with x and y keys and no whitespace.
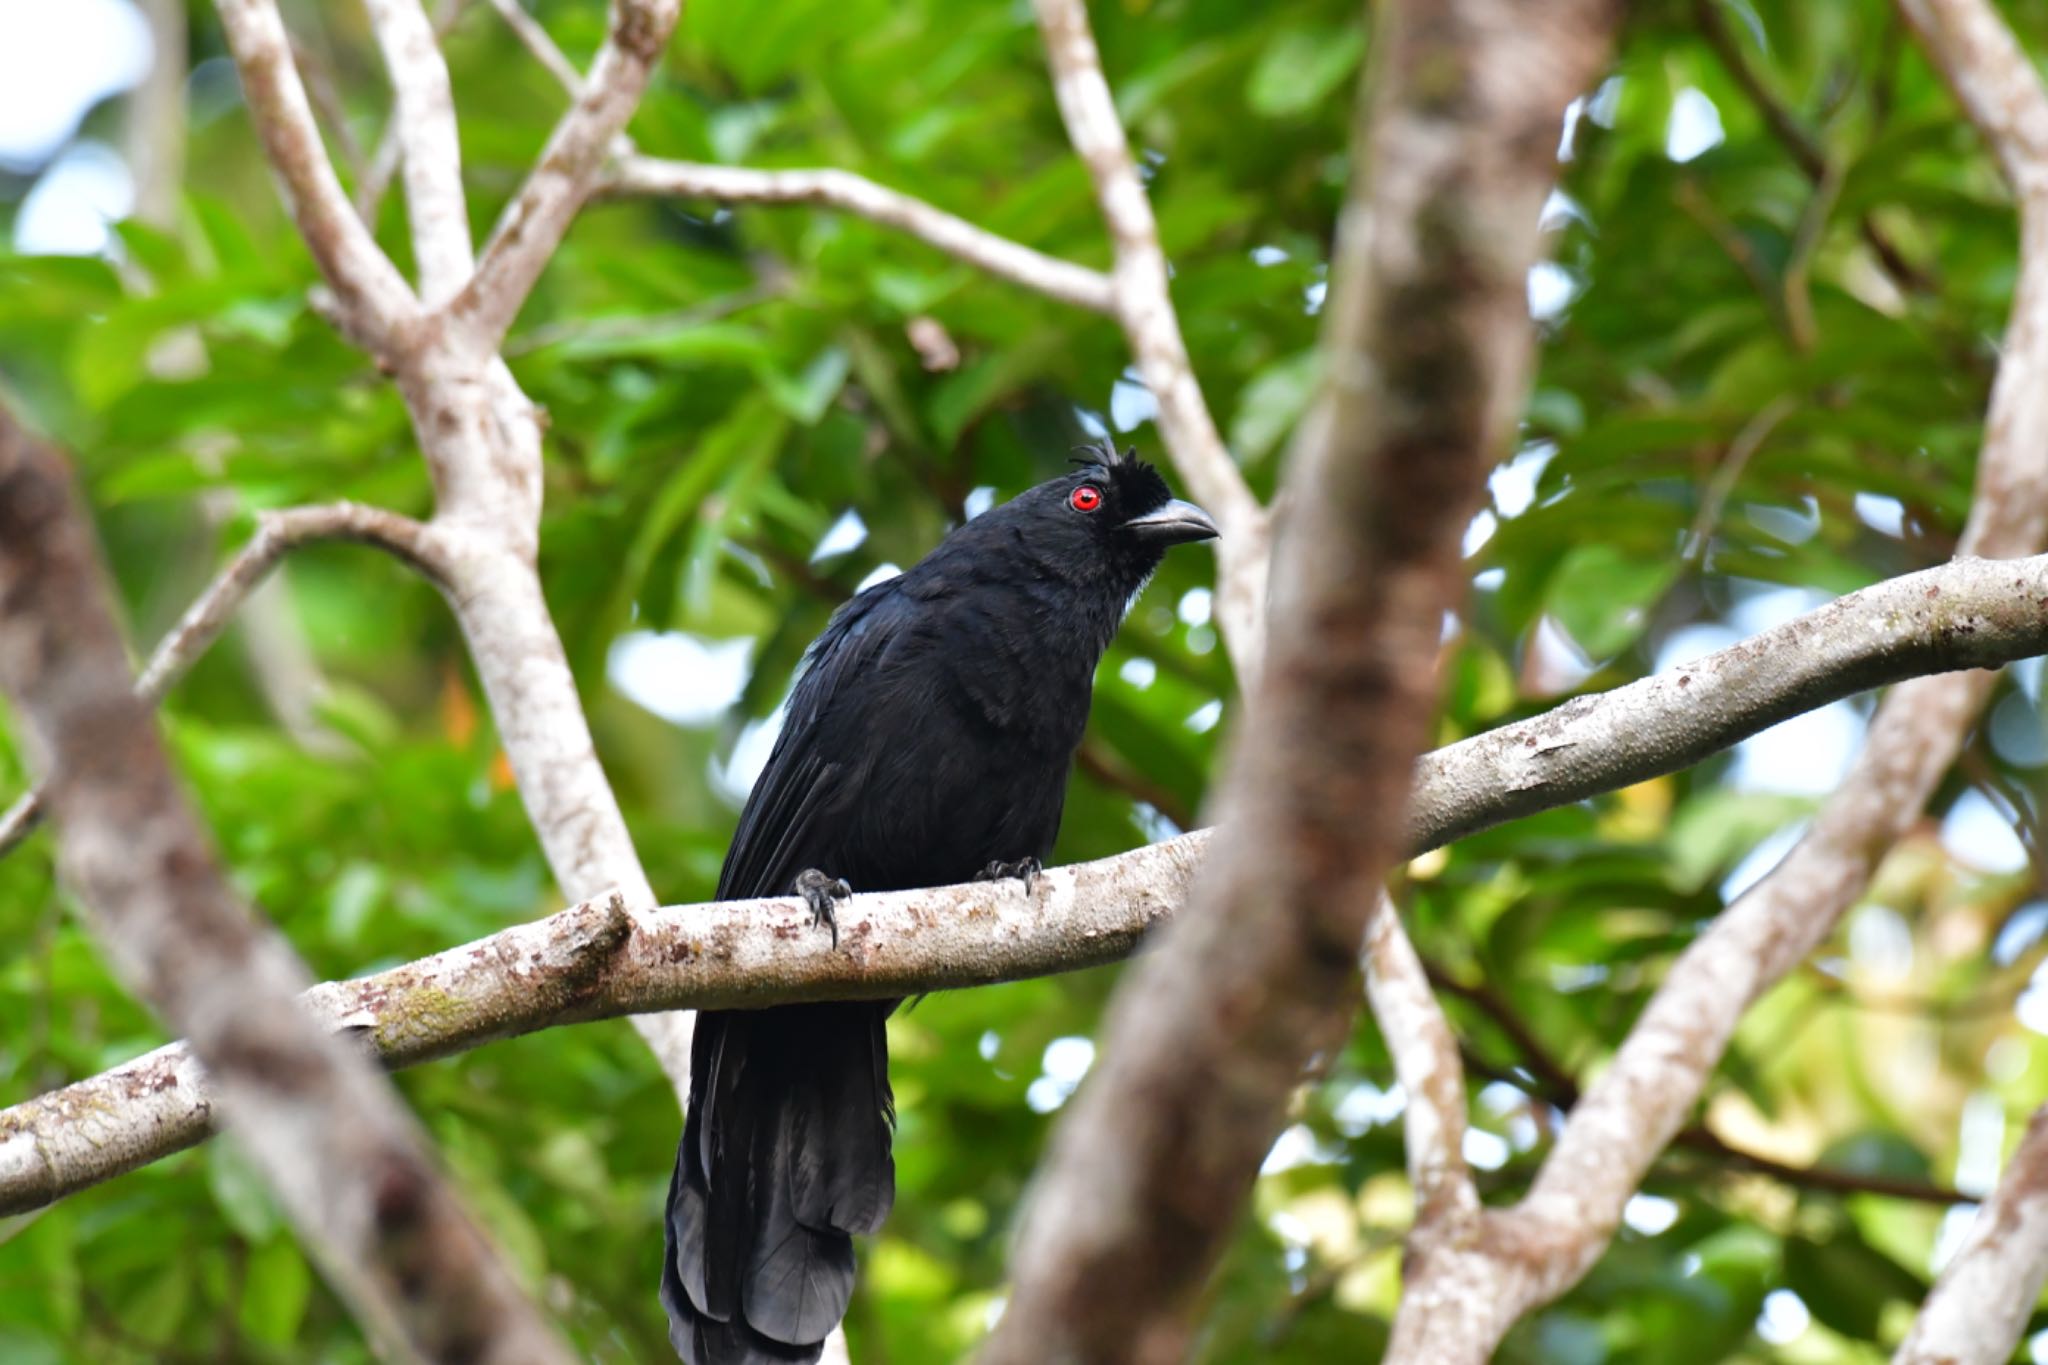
{"x":1026,"y":870}
{"x":823,"y":894}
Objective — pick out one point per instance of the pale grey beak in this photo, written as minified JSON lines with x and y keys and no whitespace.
{"x":1173,"y":524}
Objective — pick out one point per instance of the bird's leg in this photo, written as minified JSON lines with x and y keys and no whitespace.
{"x":823,"y":894}
{"x":1025,"y":870}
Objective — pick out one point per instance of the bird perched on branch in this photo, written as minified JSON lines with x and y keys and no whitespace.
{"x":927,"y":742}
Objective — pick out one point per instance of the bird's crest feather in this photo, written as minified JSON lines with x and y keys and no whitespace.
{"x":1138,"y":483}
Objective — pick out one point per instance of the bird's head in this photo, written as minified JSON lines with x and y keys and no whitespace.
{"x":1113,"y":515}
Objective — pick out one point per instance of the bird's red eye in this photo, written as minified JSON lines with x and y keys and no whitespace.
{"x":1086,"y":498}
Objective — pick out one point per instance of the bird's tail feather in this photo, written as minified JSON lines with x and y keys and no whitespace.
{"x":785,"y":1156}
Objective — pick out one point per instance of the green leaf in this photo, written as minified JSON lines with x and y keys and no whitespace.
{"x":240,"y":1194}
{"x":805,"y":396}
{"x":1302,"y":67}
{"x":274,"y":1294}
{"x":1602,"y":596}
{"x":1272,"y":403}
{"x":1847,"y":1282}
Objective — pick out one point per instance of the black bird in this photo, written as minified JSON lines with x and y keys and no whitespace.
{"x":927,"y":742}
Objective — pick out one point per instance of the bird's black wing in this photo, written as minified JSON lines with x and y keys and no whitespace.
{"x":805,"y":782}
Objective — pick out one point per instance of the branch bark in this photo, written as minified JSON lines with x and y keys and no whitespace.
{"x":1984,"y":1297}
{"x":423,"y":116}
{"x":1468,"y":1286}
{"x":1969,"y":613}
{"x":1143,"y":304}
{"x":535,"y":40}
{"x":1426,"y":349}
{"x":1429,"y":1068}
{"x":329,"y":1135}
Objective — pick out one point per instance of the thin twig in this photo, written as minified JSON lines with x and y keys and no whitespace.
{"x":536,"y":41}
{"x":1556,"y":1087}
{"x":374,"y":299}
{"x":277,"y":533}
{"x":999,"y":256}
{"x":1804,"y":148}
{"x":1728,"y":473}
{"x":532,"y":225}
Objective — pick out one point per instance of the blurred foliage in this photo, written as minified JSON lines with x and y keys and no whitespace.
{"x":1740,"y":409}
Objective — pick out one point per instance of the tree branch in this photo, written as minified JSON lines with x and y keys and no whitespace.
{"x":376,"y":306}
{"x":423,"y":113}
{"x":481,"y":437}
{"x":1427,"y":1064}
{"x":718,"y":955}
{"x":645,"y":175}
{"x":1985,"y":1296}
{"x":277,"y":534}
{"x":1526,"y":1256}
{"x":328,"y":1134}
{"x":535,"y":40}
{"x":534,"y":222}
{"x":383,"y":162}
{"x":1427,"y":344}
{"x":598,"y":960}
{"x":1556,"y":1086}
{"x":1143,"y":303}
{"x":999,"y":256}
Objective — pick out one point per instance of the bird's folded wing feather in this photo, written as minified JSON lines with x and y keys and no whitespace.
{"x":805,"y":782}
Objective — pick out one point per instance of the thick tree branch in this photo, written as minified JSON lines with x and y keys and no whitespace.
{"x":1985,"y":1297}
{"x":598,"y":960}
{"x":1427,"y":346}
{"x":915,"y":941}
{"x":277,"y":533}
{"x":1143,"y":303}
{"x":1982,"y":1302}
{"x":999,"y":256}
{"x":328,"y":1134}
{"x":533,"y":223}
{"x":423,"y":114}
{"x":375,"y":303}
{"x":1519,"y":1258}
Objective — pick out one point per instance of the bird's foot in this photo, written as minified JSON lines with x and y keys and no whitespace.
{"x":1026,"y":870}
{"x":823,"y":894}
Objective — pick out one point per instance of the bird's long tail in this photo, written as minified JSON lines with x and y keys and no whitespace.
{"x":784,"y":1157}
